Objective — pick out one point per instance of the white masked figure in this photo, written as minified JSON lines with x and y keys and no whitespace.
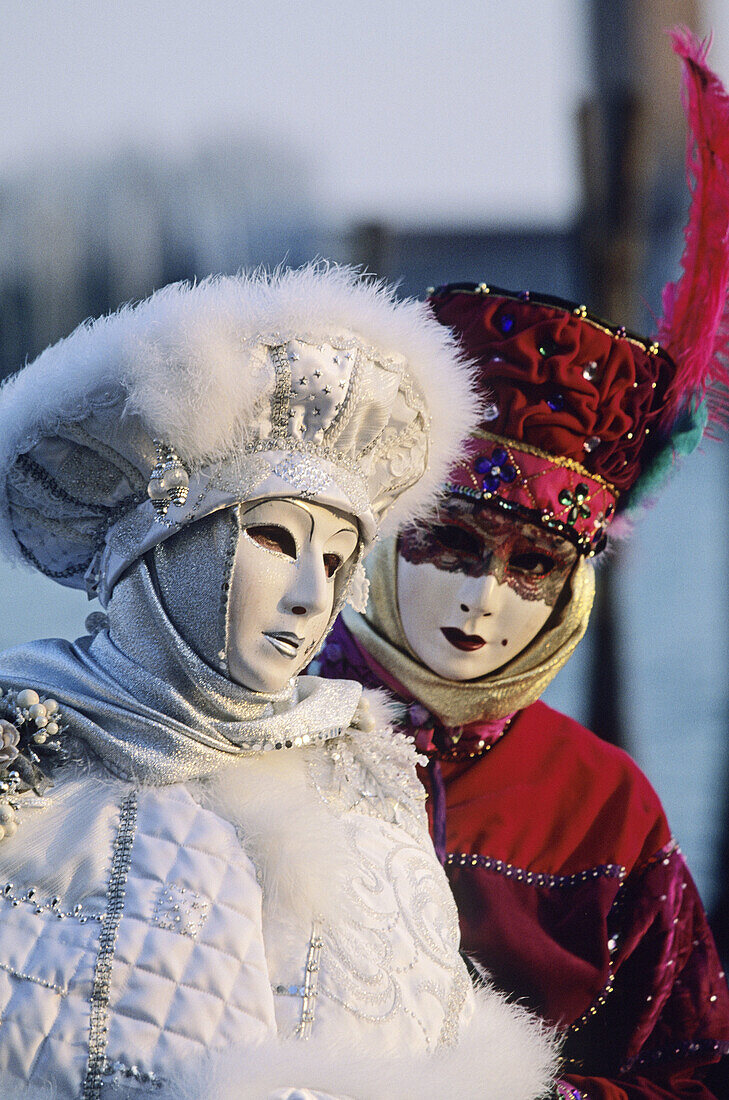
{"x":228,"y":888}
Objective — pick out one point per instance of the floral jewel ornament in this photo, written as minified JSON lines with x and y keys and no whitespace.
{"x":576,"y":503}
{"x":30,"y":747}
{"x":586,"y":420}
{"x":559,"y":494}
{"x":495,"y":469}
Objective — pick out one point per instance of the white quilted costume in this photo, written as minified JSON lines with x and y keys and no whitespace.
{"x":224,"y":893}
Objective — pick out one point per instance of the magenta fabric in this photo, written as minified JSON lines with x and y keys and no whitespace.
{"x":566,"y":498}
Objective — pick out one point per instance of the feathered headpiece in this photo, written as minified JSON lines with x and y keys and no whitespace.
{"x":584,"y":420}
{"x":314,"y":383}
{"x":694,"y":328}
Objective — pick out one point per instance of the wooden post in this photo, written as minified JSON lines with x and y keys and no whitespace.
{"x":632,"y":127}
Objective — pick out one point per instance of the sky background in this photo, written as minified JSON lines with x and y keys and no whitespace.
{"x":407,"y":110}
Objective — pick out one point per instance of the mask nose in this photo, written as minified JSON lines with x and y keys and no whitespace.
{"x":477,"y":594}
{"x":310,"y":593}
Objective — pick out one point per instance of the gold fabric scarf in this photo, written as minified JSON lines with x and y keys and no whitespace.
{"x":514,"y":686}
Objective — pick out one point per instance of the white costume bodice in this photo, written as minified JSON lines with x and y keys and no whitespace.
{"x":296,"y":895}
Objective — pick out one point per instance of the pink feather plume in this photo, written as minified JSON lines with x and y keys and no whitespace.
{"x":695,"y":324}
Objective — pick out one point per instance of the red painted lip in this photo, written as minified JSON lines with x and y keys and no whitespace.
{"x":466,"y":642}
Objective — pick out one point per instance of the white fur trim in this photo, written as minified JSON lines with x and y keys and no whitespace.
{"x":184,"y":359}
{"x":503,"y":1052}
{"x":286,"y":846}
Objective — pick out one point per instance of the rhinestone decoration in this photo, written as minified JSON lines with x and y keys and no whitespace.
{"x":534,"y":878}
{"x":589,"y":371}
{"x":304,"y":474}
{"x":118,"y":1072}
{"x":51,"y":905}
{"x":495,"y":469}
{"x":311,"y":984}
{"x":506,"y":323}
{"x":491,"y":411}
{"x":576,"y":503}
{"x":314,"y":399}
{"x":556,"y":401}
{"x":548,"y":347}
{"x":591,"y":443}
{"x":181,"y":910}
{"x":281,"y":357}
{"x":169,"y":482}
{"x":99,"y":1028}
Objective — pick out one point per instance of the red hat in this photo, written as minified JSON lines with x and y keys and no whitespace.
{"x":583,"y":420}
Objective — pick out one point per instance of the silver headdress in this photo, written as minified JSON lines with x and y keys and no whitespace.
{"x":313,"y":383}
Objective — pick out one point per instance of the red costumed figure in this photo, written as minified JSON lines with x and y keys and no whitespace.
{"x":570,"y":889}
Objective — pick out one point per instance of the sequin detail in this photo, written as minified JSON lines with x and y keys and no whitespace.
{"x":181,"y":910}
{"x":372,"y":772}
{"x":281,"y":390}
{"x":311,"y":984}
{"x":702,"y":1046}
{"x":597,"y":1004}
{"x":401,"y":914}
{"x":98,"y":1031}
{"x":533,"y":878}
{"x":565,"y":1091}
{"x":304,"y":474}
{"x":51,"y":905}
{"x":115,"y":1073}
{"x":31,"y":978}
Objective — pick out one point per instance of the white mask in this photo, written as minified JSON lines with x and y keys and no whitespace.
{"x":282,"y":588}
{"x":476,"y":587}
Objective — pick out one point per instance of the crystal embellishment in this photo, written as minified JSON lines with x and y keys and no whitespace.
{"x":181,"y":910}
{"x":169,"y":481}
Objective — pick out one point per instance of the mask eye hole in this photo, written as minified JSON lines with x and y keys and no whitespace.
{"x":533,"y":564}
{"x":332,"y":562}
{"x":272,"y":537}
{"x":458,"y":540}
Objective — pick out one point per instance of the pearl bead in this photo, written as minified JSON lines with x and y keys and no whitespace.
{"x":51,"y":706}
{"x":7,"y":813}
{"x":52,"y":729}
{"x":174,"y":478}
{"x":155,"y":490}
{"x":27,"y":698}
{"x":41,"y":721}
{"x":37,"y":711}
{"x":40,"y":738}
